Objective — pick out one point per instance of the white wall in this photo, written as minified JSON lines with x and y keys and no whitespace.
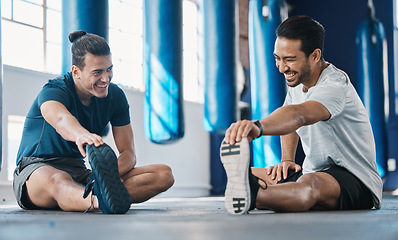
{"x":189,"y":157}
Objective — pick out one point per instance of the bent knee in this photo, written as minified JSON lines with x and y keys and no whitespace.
{"x":163,"y":177}
{"x":60,"y":177}
{"x":44,"y":186}
{"x":48,"y":178}
{"x":58,"y":180}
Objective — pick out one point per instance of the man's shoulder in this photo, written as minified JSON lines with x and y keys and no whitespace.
{"x":60,"y":89}
{"x":114,"y":91}
{"x":115,"y":87}
{"x":62,"y":82}
{"x":334,"y":76}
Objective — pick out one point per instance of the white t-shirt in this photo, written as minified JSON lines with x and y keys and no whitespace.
{"x":346,"y":139}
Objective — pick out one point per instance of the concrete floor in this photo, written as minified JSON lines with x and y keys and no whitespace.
{"x":201,"y":219}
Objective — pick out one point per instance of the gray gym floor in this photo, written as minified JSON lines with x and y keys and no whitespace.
{"x":201,"y":219}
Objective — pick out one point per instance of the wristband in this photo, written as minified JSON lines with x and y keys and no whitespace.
{"x":258,"y":124}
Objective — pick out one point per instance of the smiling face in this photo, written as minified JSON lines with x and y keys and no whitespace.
{"x":94,"y":78}
{"x":293,"y":63}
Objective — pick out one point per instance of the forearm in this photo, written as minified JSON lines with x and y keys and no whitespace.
{"x":126,"y":162}
{"x":62,"y":120}
{"x":124,"y":141}
{"x":289,"y":144}
{"x":283,"y":120}
{"x":69,"y":128}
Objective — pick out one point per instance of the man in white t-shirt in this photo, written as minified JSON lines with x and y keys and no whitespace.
{"x":322,"y":109}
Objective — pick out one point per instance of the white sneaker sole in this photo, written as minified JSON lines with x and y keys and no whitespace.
{"x":236,"y":161}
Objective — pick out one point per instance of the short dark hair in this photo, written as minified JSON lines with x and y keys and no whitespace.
{"x":310,"y":32}
{"x":83,"y":42}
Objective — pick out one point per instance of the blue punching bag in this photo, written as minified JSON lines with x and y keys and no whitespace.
{"x":219,"y":45}
{"x":88,"y":15}
{"x":268,"y":88}
{"x":372,"y":80}
{"x":163,"y":111}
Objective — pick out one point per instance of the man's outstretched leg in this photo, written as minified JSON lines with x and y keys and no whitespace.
{"x":245,"y":192}
{"x":50,"y":188}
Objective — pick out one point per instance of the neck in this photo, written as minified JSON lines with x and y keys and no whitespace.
{"x":85,"y":102}
{"x":84,"y":98}
{"x":317,"y":71}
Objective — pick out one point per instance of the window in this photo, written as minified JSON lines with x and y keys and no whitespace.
{"x":190,"y":53}
{"x":33,"y":40}
{"x":126,"y":43}
{"x":33,"y":34}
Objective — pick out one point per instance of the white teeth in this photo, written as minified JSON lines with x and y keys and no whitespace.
{"x":289,"y":75}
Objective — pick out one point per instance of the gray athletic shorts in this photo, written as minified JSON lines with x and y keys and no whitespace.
{"x":73,"y":166}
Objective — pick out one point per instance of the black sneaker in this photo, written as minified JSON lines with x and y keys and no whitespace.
{"x":112,"y":195}
{"x":236,"y":161}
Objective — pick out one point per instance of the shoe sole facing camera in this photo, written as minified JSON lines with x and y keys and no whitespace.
{"x":112,"y":191}
{"x":236,"y":161}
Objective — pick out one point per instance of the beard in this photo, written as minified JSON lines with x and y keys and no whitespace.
{"x":303,"y":77}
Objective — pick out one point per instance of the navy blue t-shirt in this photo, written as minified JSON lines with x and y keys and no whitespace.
{"x":40,"y":139}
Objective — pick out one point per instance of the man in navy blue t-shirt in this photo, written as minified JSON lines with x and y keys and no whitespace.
{"x":74,"y":111}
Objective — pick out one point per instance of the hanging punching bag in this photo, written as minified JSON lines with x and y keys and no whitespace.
{"x":373,"y":79}
{"x":219,"y":43}
{"x":163,"y":111}
{"x":82,"y":15}
{"x":268,"y":88}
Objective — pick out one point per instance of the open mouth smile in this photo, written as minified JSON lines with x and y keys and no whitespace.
{"x":101,"y":85}
{"x":290,"y":76}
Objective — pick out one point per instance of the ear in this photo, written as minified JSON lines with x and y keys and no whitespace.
{"x":316,"y":55}
{"x":76,"y":72}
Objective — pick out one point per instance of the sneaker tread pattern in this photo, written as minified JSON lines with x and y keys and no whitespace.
{"x":236,"y":162}
{"x":106,"y":173}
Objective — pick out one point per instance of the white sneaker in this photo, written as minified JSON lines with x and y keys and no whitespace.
{"x":236,"y":161}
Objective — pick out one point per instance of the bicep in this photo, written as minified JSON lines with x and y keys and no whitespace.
{"x":312,"y":112}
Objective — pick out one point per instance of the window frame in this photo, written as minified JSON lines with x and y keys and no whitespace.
{"x":44,"y":29}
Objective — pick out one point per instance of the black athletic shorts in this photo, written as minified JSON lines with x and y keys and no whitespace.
{"x":73,"y":166}
{"x":354,"y":195}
